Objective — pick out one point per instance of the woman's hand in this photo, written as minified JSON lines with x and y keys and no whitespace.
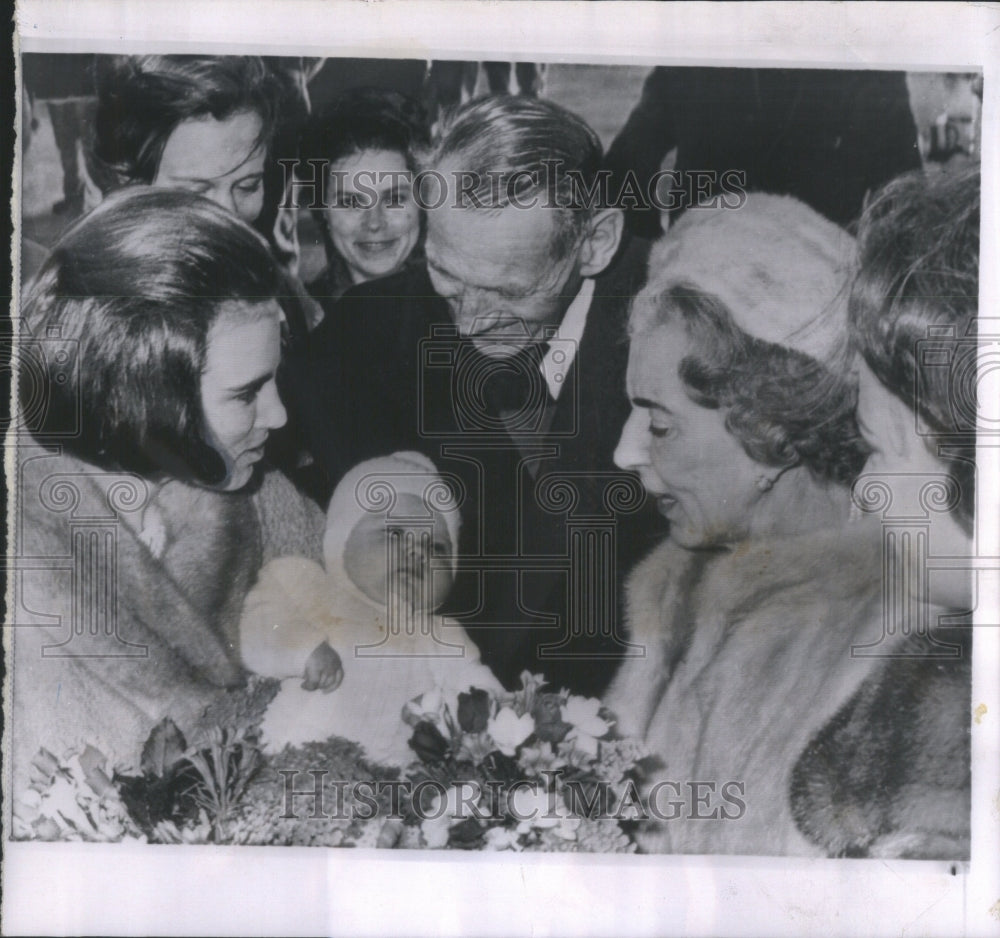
{"x":324,"y":670}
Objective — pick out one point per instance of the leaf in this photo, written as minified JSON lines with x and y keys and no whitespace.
{"x":164,"y":748}
{"x":92,"y":763}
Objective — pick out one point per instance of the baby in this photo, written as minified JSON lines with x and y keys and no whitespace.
{"x":365,"y":626}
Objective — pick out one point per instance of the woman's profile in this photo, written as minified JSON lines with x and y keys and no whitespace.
{"x":906,"y":790}
{"x":743,"y":429}
{"x":148,"y":387}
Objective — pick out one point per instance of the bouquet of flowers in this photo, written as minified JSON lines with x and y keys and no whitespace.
{"x":527,"y":770}
{"x":72,"y":797}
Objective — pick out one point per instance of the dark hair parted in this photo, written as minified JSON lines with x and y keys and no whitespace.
{"x":364,"y":119}
{"x":141,"y":99}
{"x":783,"y":406}
{"x":511,"y":145}
{"x":917,"y":286}
{"x":119,"y":317}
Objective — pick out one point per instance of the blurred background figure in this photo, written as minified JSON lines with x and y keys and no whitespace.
{"x":64,"y":84}
{"x":207,"y":124}
{"x":825,"y":136}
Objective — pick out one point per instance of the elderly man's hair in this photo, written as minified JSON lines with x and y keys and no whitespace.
{"x":141,"y":99}
{"x":784,"y":407}
{"x":918,"y":274}
{"x":507,"y":141}
{"x":119,"y":317}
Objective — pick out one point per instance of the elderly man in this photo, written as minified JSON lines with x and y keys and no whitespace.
{"x":504,"y":361}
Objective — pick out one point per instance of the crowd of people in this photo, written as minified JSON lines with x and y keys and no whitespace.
{"x":505,"y":430}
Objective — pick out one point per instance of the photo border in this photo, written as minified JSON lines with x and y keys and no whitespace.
{"x":81,"y":888}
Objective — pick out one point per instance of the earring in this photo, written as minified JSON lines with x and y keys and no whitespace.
{"x":764,"y":484}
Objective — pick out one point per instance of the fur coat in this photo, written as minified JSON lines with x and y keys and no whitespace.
{"x":749,"y":677}
{"x":126,"y":604}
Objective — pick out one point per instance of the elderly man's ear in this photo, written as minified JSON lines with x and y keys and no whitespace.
{"x":600,"y":244}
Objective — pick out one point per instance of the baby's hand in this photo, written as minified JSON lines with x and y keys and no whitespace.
{"x":324,"y":669}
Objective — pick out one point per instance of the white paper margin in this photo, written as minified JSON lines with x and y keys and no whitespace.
{"x":117,"y":889}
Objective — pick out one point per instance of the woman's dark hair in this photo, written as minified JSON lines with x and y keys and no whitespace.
{"x":914,"y":301}
{"x":783,"y":406}
{"x":364,"y":119}
{"x":118,"y":321}
{"x":141,"y":99}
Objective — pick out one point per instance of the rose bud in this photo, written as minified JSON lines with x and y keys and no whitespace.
{"x":547,"y":714}
{"x":474,"y":710}
{"x":466,"y":835}
{"x":428,"y":743}
{"x":502,"y":768}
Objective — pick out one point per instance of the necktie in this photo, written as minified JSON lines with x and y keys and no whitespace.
{"x":514,"y":384}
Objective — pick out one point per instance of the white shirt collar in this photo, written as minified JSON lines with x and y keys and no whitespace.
{"x":564,"y":343}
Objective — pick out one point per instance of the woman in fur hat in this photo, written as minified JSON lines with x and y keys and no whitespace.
{"x":743,"y":430}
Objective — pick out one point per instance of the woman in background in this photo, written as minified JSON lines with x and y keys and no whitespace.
{"x":214,"y":125}
{"x":906,"y":790}
{"x":364,"y":140}
{"x":148,"y":385}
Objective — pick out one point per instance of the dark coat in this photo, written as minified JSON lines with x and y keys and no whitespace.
{"x":826,"y":136}
{"x":386,"y":372}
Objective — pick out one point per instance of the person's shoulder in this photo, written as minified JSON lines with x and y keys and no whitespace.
{"x":410,"y":283}
{"x":407,"y":294}
{"x":291,"y":523}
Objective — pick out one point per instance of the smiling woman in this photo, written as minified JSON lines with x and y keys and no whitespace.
{"x":148,"y":388}
{"x":363,"y":143}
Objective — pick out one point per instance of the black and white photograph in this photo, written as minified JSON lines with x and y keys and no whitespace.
{"x":426,"y":456}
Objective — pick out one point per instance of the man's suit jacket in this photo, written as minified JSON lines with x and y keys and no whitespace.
{"x":540,"y":512}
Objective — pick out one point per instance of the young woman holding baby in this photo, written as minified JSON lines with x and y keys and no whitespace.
{"x":148,"y":387}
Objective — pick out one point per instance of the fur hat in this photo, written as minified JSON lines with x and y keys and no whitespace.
{"x":780,"y":268}
{"x":373,"y":486}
